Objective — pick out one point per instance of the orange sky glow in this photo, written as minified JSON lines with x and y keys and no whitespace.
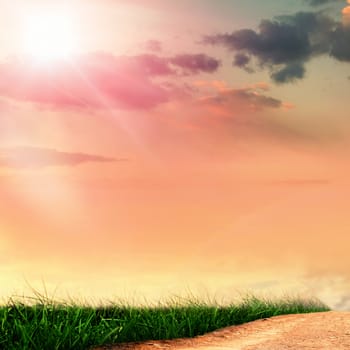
{"x":146,"y":151}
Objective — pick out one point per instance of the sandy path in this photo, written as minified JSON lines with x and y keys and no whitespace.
{"x":325,"y":330}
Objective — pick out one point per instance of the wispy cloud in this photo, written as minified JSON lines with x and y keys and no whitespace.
{"x":302,"y":182}
{"x":240,"y":100}
{"x":34,"y":157}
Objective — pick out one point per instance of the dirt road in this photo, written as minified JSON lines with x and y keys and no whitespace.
{"x":321,"y":331}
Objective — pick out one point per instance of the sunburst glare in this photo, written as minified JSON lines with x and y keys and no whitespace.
{"x":49,"y":36}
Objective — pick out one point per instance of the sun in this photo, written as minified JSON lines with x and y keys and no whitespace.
{"x":49,"y":36}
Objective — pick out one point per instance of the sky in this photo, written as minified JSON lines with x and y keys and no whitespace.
{"x":154,"y":148}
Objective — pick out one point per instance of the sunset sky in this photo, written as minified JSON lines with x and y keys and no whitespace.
{"x":151,"y":147}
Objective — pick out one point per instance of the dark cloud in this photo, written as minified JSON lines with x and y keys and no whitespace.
{"x":322,"y":2}
{"x":341,"y":44}
{"x":33,"y":157}
{"x":100,"y":80}
{"x":285,"y":44}
{"x":242,"y":60}
{"x":194,"y":64}
{"x":289,"y":73}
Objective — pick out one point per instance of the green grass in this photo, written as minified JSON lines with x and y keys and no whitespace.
{"x":46,"y":324}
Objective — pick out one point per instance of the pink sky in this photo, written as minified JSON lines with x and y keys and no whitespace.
{"x":197,"y":146}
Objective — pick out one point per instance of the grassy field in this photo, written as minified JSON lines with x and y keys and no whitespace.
{"x":46,"y":324}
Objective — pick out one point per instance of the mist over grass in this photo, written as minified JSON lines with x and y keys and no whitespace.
{"x":40,"y":322}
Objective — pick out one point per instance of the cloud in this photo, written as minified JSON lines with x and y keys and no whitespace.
{"x":242,"y":60}
{"x":321,"y":2}
{"x":90,"y":81}
{"x":289,"y":73}
{"x":33,"y":157}
{"x":285,"y":44}
{"x":150,"y":65}
{"x":242,"y":100}
{"x":99,"y":80}
{"x":341,"y":47}
{"x":245,"y":111}
{"x":194,"y":64}
{"x":185,"y":64}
